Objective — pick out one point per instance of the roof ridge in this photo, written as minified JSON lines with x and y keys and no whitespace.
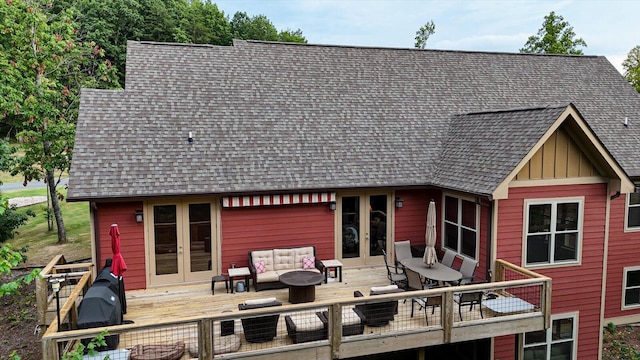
{"x":499,"y":111}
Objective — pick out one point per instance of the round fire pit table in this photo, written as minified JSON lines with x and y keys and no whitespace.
{"x":302,"y":285}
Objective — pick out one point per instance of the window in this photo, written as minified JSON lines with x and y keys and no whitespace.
{"x":631,"y":287}
{"x":555,"y":343}
{"x":553,"y":231}
{"x":460,"y":232}
{"x":633,"y":211}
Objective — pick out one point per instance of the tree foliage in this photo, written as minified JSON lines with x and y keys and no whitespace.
{"x":423,"y":34}
{"x":44,"y":65}
{"x":631,"y":67}
{"x":555,"y":36}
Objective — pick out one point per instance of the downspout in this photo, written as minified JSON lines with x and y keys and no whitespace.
{"x":489,"y":207}
{"x":615,"y":196}
{"x":96,"y":235}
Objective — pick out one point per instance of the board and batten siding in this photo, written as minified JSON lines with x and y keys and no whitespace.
{"x":131,"y":240}
{"x":575,"y":287}
{"x":270,"y":227}
{"x":624,"y":251}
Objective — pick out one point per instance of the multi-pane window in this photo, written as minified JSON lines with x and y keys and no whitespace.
{"x":633,"y":211}
{"x":460,"y":232}
{"x":553,"y":231}
{"x":555,"y":343}
{"x":631,"y":287}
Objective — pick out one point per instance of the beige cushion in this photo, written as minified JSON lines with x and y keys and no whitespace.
{"x":383,"y":288}
{"x":260,"y":301}
{"x":283,"y":259}
{"x":300,"y":253}
{"x":268,"y":276}
{"x":221,"y":345}
{"x":266,"y":256}
{"x":307,"y":322}
{"x":349,"y":317}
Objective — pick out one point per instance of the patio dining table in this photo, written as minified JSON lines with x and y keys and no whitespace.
{"x":436,"y":272}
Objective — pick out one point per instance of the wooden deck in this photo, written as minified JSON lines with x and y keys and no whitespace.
{"x":188,"y":313}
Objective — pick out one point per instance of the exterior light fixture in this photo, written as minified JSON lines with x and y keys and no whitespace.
{"x":139,"y":217}
{"x":399,"y":202}
{"x":55,"y":286}
{"x":332,"y":206}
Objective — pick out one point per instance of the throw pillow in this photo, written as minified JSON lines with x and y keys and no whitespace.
{"x":259,"y":265}
{"x":308,"y":263}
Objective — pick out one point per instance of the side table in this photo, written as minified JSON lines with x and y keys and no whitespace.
{"x":241,"y":271}
{"x":332,"y":264}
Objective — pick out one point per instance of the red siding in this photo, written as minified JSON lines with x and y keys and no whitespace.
{"x":575,"y":288}
{"x":247,"y":229}
{"x":131,"y":240}
{"x":504,"y":347}
{"x":624,"y":251}
{"x":411,"y":223}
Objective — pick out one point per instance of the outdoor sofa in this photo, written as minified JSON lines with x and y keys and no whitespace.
{"x":266,"y":266}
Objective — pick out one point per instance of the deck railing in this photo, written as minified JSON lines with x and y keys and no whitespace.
{"x":446,"y":318}
{"x":75,"y":279}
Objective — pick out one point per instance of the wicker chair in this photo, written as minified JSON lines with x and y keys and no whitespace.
{"x":380,"y":313}
{"x":260,"y":328}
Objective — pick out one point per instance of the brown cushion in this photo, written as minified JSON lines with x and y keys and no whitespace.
{"x":157,"y":351}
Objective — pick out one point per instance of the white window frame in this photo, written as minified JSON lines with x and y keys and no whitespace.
{"x":459,"y":225}
{"x":554,"y":203}
{"x":549,"y":337}
{"x":627,"y":206}
{"x":625,"y":287}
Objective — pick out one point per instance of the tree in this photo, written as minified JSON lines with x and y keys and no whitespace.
{"x":555,"y":36}
{"x":631,"y":67}
{"x":255,"y":28}
{"x":44,"y":65}
{"x":423,"y":34}
{"x":292,"y":36}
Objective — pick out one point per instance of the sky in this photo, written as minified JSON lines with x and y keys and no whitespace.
{"x":610,"y":28}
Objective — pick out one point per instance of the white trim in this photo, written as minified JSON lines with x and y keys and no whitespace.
{"x":460,"y":198}
{"x":626,"y":215}
{"x":580,"y":230}
{"x":564,"y":181}
{"x":625,"y":270}
{"x":549,"y":336}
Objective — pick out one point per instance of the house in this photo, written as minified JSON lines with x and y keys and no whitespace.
{"x":222,"y":150}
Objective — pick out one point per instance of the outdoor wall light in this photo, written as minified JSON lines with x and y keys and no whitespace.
{"x":139,"y":217}
{"x":399,"y":202}
{"x":332,"y":206}
{"x":55,"y":286}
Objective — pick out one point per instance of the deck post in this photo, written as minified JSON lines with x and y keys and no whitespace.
{"x":205,"y":334}
{"x":49,"y":349}
{"x":335,"y":329}
{"x":447,"y":316}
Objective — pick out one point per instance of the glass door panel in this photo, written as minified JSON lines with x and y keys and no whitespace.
{"x":377,"y":224}
{"x":350,"y":227}
{"x":199,"y":237}
{"x":165,"y":234}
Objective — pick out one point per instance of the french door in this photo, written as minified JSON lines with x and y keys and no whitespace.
{"x":364,"y":227}
{"x":181,"y":244}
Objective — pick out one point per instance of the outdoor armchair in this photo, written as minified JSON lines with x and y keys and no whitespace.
{"x":380,"y":313}
{"x":260,"y":328}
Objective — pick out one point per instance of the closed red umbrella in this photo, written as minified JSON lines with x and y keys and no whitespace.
{"x":118,"y":266}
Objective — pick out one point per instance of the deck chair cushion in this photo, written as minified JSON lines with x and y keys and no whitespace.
{"x":306,"y":322}
{"x":265,"y":256}
{"x":263,"y":301}
{"x":283,"y":259}
{"x":221,"y":345}
{"x":157,"y":351}
{"x":379,"y":289}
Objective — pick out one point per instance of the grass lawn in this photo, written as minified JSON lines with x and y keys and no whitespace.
{"x":43,"y":244}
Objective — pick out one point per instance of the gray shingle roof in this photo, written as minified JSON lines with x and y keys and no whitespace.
{"x":274,"y":117}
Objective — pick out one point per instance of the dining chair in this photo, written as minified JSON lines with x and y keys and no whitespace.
{"x":395,"y":277}
{"x":402,"y":250}
{"x":414,"y":282}
{"x":471,"y":299}
{"x":467,"y":270}
{"x":448,"y":258}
